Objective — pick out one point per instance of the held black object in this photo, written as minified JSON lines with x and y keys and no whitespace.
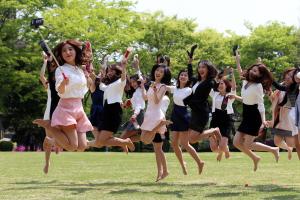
{"x":191,"y":54}
{"x":36,"y":23}
{"x":235,"y":48}
{"x":44,"y":47}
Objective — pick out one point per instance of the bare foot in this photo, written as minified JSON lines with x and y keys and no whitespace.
{"x":163,"y":176}
{"x":255,"y":162}
{"x":219,"y":157}
{"x":184,"y":169}
{"x":125,"y":149}
{"x":130,"y":144}
{"x":276,"y":153}
{"x":290,"y":153}
{"x":227,"y":154}
{"x":158,"y":177}
{"x":200,"y":167}
{"x":42,"y":123}
{"x":46,"y":168}
{"x":217,"y":133}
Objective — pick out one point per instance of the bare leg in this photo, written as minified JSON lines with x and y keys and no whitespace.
{"x":133,"y":135}
{"x":238,"y":142}
{"x":215,"y":148}
{"x":196,"y":136}
{"x":280,"y":142}
{"x":257,"y":146}
{"x":60,"y":134}
{"x":47,"y":148}
{"x":105,"y":138}
{"x":297,"y":145}
{"x":184,"y":140}
{"x":224,"y":147}
{"x":82,"y":142}
{"x":161,"y":161}
{"x":177,"y":150}
{"x":148,"y":136}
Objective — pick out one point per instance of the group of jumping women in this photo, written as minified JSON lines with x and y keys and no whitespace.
{"x":66,"y":123}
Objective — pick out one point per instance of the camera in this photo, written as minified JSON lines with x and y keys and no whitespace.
{"x":44,"y":47}
{"x":36,"y":23}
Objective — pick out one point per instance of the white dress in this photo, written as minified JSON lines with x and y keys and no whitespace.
{"x":153,"y":114}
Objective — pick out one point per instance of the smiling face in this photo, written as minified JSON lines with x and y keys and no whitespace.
{"x":183,"y":78}
{"x":110,"y":73}
{"x":222,"y":86}
{"x":254,"y":73}
{"x":133,"y":83}
{"x":159,"y":74}
{"x":68,"y":54}
{"x":288,"y":78}
{"x":203,"y":71}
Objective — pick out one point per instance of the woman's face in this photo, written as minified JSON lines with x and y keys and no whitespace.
{"x":159,"y":74}
{"x":288,"y":78}
{"x":203,"y":71}
{"x":222,"y":86}
{"x":134,"y":83}
{"x":69,"y":54}
{"x":111,"y":73}
{"x":183,"y":78}
{"x":254,"y":73}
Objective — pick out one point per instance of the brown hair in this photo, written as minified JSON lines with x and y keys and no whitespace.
{"x":77,"y":45}
{"x":265,"y":78}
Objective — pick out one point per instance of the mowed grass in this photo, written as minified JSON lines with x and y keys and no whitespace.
{"x":119,"y":176}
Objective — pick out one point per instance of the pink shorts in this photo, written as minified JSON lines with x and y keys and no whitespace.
{"x":70,"y":112}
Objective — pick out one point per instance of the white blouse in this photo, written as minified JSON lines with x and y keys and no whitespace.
{"x":137,"y":101}
{"x":179,"y":94}
{"x":77,"y":86}
{"x":254,"y":94}
{"x":113,"y":92}
{"x":217,"y":101}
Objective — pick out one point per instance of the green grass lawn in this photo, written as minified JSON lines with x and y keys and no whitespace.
{"x":120,"y":176}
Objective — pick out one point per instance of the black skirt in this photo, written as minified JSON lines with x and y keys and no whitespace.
{"x":112,"y":117}
{"x":251,"y":121}
{"x":199,"y":120}
{"x":180,"y":118}
{"x":223,"y":121}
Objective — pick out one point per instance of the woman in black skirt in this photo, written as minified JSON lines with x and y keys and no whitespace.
{"x":113,"y":88}
{"x":222,"y":111}
{"x":180,"y":118}
{"x":198,"y":103}
{"x":257,"y":79}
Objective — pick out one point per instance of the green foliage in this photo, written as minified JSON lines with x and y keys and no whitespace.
{"x":111,"y":25}
{"x":6,"y":146}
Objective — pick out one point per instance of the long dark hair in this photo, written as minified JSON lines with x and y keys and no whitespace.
{"x":265,"y":78}
{"x":211,"y":69}
{"x":167,"y":74}
{"x":178,"y":82}
{"x":77,"y":45}
{"x":108,"y":80}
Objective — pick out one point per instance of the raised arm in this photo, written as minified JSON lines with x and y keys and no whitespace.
{"x":279,"y":86}
{"x":238,"y":64}
{"x":43,"y":70}
{"x":233,"y":82}
{"x":124,"y":66}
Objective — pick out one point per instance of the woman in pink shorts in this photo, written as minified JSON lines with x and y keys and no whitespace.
{"x":69,"y":122}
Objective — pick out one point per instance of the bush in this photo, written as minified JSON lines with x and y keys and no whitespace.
{"x":6,"y":146}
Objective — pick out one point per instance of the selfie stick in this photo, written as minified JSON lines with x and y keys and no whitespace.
{"x":51,"y":53}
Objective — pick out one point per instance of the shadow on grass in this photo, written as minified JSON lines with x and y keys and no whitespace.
{"x":264,"y":189}
{"x":78,"y":188}
{"x":163,"y":188}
